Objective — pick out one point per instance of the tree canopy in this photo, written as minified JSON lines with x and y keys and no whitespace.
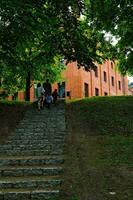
{"x":35,"y":34}
{"x":115,"y":17}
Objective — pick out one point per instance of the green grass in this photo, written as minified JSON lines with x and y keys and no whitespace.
{"x":105,"y":115}
{"x":99,"y":149}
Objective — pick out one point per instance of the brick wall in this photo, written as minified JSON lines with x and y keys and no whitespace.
{"x":21,"y":96}
{"x":104,"y":81}
{"x":9,"y":98}
{"x":79,"y":83}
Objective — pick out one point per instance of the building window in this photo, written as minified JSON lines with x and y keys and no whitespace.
{"x":112,"y":65}
{"x":105,"y":94}
{"x":96,"y":92}
{"x":105,"y":76}
{"x":86,"y":89}
{"x":119,"y":85}
{"x":68,"y":93}
{"x":96,"y":72}
{"x":112,"y":80}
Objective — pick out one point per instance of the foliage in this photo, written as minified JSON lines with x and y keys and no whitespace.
{"x":50,"y":71}
{"x":11,"y":81}
{"x":115,"y":17}
{"x":36,"y":33}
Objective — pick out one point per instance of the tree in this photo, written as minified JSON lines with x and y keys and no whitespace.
{"x":115,"y":17}
{"x":34,"y":33}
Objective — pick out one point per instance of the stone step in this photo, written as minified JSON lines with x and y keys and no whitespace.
{"x":43,"y":119}
{"x":28,"y":151}
{"x":53,"y":133}
{"x":25,"y":194}
{"x":38,"y":126}
{"x":41,"y":182}
{"x":30,"y":171}
{"x":28,"y":140}
{"x":31,"y":152}
{"x":38,"y":135}
{"x":27,"y":129}
{"x":32,"y":142}
{"x":43,"y":116}
{"x":43,"y":138}
{"x":30,"y":160}
{"x":46,"y":145}
{"x":31,"y":122}
{"x":49,"y":113}
{"x":45,"y":132}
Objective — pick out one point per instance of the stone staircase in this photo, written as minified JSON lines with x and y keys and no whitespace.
{"x":31,"y":161}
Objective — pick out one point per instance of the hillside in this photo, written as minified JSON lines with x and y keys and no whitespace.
{"x":11,"y":112}
{"x":99,"y":149}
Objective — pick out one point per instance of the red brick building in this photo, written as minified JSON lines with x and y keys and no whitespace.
{"x":78,"y":83}
{"x":105,"y":80}
{"x":20,"y":96}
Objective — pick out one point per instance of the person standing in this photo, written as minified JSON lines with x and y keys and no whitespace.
{"x":47,"y":87}
{"x":40,"y":95}
{"x":55,"y":95}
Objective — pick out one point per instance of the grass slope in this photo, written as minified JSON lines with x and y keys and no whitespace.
{"x":99,"y":149}
{"x":11,"y":112}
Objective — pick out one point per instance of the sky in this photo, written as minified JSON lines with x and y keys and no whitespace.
{"x":109,"y":36}
{"x":130,"y":79}
{"x":113,"y":40}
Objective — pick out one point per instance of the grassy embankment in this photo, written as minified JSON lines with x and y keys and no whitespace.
{"x":11,"y":112}
{"x":99,"y":149}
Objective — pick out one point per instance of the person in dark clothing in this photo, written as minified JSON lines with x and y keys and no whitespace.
{"x":55,"y":95}
{"x":47,"y":87}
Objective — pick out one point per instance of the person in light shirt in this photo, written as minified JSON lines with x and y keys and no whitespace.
{"x":40,"y":95}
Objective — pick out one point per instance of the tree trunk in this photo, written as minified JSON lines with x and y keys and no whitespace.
{"x":27,"y":92}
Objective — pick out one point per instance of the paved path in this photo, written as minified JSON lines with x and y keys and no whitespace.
{"x":31,"y":162}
